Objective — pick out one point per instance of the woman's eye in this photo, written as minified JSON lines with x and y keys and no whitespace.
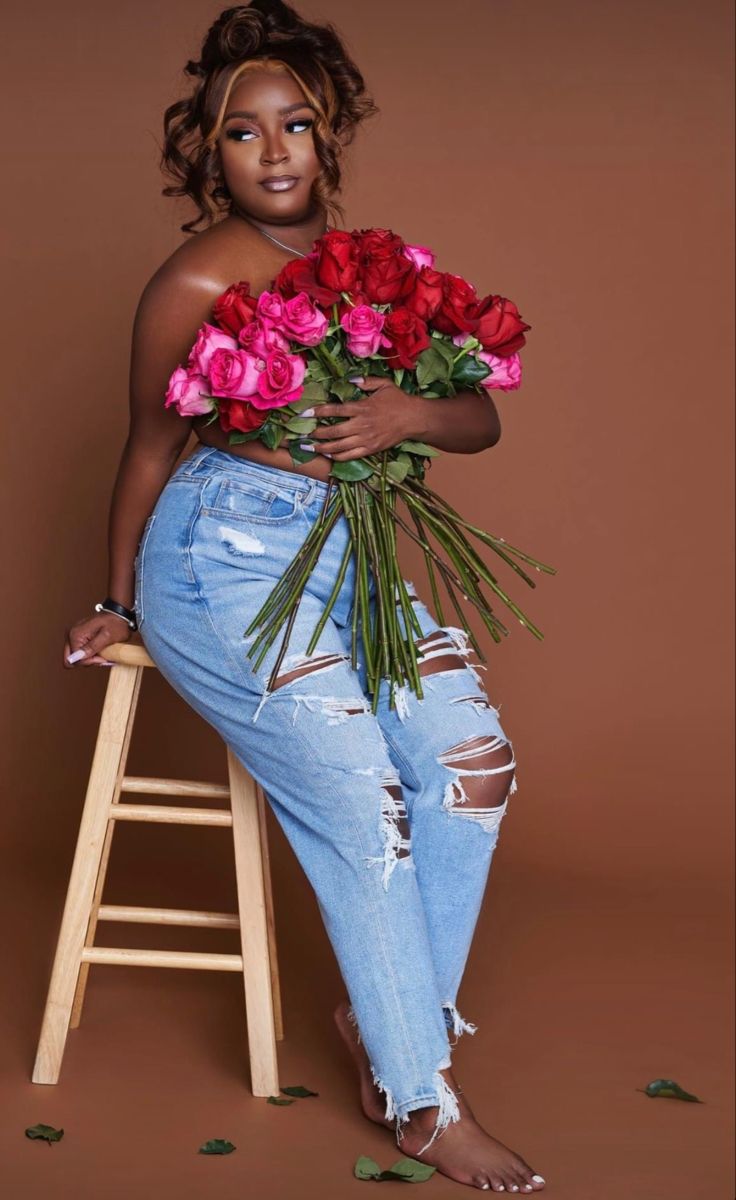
{"x":235,"y":134}
{"x":304,"y":122}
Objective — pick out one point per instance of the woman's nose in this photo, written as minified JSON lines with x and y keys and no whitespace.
{"x":274,"y":149}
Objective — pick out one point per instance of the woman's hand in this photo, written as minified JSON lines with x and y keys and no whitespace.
{"x":377,"y":422}
{"x":92,"y":634}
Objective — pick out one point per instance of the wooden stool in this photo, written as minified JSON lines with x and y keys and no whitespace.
{"x":75,"y":949}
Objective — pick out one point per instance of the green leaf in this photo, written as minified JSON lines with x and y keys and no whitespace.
{"x":301,"y":424}
{"x":432,"y":365}
{"x":216,"y":1146}
{"x":343,"y":389}
{"x":397,"y":470}
{"x":366,"y":1168}
{"x":670,"y":1089}
{"x":299,"y":1091}
{"x":48,"y":1132}
{"x":469,"y":370}
{"x":313,"y":392}
{"x":419,"y":448}
{"x":271,"y":434}
{"x":237,"y":437}
{"x":352,"y":469}
{"x":412,"y":1169}
{"x":278,"y":1100}
{"x":299,"y":455}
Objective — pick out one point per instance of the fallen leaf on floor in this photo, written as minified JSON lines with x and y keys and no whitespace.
{"x":671,"y":1089}
{"x":278,"y":1100}
{"x":47,"y":1132}
{"x":216,"y":1146}
{"x":407,"y":1169}
{"x":299,"y":1091}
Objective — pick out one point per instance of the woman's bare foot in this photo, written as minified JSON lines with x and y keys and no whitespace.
{"x":465,"y":1152}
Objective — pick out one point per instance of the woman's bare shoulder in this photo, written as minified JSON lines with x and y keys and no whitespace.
{"x":208,"y":262}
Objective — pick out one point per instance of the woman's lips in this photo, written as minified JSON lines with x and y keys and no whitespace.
{"x":279,"y":183}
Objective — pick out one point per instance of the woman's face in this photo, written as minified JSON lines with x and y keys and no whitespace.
{"x":267,"y":133}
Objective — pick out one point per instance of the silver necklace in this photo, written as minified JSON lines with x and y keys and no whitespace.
{"x":271,"y":238}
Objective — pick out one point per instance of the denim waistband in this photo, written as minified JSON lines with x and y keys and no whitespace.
{"x":211,"y":458}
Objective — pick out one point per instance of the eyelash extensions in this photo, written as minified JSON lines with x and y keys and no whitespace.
{"x":307,"y":121}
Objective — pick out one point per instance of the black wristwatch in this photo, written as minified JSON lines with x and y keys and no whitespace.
{"x":119,"y":610}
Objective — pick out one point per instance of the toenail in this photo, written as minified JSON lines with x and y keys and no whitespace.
{"x":538,"y":1179}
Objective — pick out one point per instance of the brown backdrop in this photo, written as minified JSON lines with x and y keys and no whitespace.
{"x":577,"y":157}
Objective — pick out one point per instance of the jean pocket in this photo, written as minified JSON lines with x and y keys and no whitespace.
{"x":138,"y":568}
{"x":243,"y":500}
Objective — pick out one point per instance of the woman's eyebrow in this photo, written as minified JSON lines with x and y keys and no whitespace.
{"x":241,"y":112}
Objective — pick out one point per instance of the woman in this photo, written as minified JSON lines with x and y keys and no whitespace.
{"x":393,"y":816}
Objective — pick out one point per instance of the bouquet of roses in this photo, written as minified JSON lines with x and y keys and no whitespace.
{"x":364,"y":302}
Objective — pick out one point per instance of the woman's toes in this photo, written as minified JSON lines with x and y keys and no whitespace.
{"x":538,"y":1181}
{"x":496,"y":1185}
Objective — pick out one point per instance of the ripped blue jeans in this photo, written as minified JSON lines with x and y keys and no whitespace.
{"x":393,"y":816}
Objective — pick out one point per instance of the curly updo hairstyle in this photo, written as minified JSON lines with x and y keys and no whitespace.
{"x":269,"y":35}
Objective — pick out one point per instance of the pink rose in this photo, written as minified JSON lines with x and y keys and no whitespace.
{"x":279,"y":380}
{"x":506,"y":371}
{"x":184,"y":393}
{"x":209,"y":339}
{"x":259,"y":336}
{"x":303,"y":321}
{"x":421,"y":256}
{"x":363,"y":325}
{"x":234,"y":373}
{"x":271,"y":306}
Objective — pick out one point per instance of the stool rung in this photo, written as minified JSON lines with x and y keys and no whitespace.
{"x":168,"y":916}
{"x":156,"y":786}
{"x":124,"y":956}
{"x":170,"y":815}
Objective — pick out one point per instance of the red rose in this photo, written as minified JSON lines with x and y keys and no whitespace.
{"x":234,"y":308}
{"x":240,"y":415}
{"x":408,"y":335}
{"x":336,"y":266}
{"x":387,"y":274}
{"x":498,"y":325}
{"x":427,"y":294}
{"x":297,"y":275}
{"x":458,"y":298}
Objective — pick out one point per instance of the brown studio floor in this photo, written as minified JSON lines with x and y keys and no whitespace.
{"x":594,"y":990}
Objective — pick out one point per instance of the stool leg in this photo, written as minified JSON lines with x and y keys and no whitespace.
{"x":270,"y":918}
{"x":103,"y":786}
{"x":79,"y":994}
{"x":264,"y":1076}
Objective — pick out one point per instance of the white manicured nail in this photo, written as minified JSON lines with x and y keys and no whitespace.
{"x":538,"y":1179}
{"x":75,"y":657}
{"x":308,"y":412}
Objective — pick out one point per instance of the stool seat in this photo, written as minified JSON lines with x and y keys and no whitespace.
{"x":130,"y":654}
{"x":245,"y":814}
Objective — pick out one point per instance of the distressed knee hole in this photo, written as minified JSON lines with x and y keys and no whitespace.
{"x":484,"y":778}
{"x":395,"y":831}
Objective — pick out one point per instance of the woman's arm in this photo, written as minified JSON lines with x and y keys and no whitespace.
{"x":463,"y":424}
{"x":171,"y":309}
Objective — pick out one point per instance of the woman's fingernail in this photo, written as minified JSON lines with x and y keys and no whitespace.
{"x":308,"y":412}
{"x":356,"y":378}
{"x":306,"y":445}
{"x":75,"y":657}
